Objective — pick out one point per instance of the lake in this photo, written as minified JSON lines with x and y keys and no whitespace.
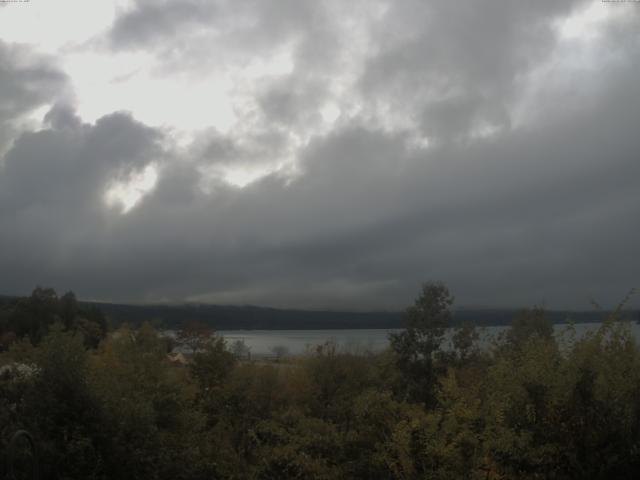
{"x":262,"y":342}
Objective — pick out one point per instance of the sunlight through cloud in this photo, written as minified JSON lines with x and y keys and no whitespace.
{"x":127,"y":194}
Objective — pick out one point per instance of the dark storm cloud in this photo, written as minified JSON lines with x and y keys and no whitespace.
{"x":540,"y":209}
{"x":71,"y":163}
{"x":52,"y":187}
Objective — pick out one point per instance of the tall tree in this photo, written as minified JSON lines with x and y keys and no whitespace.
{"x":416,"y":347}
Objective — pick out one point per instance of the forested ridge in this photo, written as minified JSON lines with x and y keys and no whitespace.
{"x":229,"y":317}
{"x":110,"y":403}
{"x":250,"y":317}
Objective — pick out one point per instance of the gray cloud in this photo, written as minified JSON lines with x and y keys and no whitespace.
{"x":454,"y":66}
{"x":52,"y":187}
{"x":194,"y":34}
{"x":540,"y":209}
{"x":27,"y":81}
{"x":148,"y":22}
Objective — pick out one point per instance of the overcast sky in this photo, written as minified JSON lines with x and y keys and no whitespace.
{"x":321,"y":154}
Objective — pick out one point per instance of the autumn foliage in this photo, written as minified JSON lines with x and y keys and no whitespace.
{"x":528,"y":404}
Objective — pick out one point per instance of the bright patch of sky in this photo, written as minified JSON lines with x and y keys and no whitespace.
{"x":578,"y":53}
{"x":127,"y":193}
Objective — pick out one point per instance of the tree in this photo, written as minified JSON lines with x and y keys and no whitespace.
{"x":34,"y":315}
{"x":62,"y":411}
{"x":527,"y":324}
{"x":464,"y":339}
{"x":150,"y":427}
{"x":195,"y":336}
{"x":417,"y":345}
{"x":93,"y":325}
{"x":68,"y":310}
{"x":212,"y":364}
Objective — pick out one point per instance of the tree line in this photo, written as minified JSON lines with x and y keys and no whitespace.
{"x":532,"y":404}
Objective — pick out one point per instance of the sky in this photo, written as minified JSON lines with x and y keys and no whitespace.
{"x":321,"y":154}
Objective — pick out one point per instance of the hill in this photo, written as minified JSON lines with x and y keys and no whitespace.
{"x":262,"y":318}
{"x":228,"y":317}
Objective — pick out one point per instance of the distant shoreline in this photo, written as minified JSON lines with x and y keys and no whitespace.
{"x":264,"y":318}
{"x":229,"y":317}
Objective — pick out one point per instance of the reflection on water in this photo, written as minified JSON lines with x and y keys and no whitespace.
{"x":263,"y":342}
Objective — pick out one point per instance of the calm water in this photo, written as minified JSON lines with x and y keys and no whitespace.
{"x":262,"y":342}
